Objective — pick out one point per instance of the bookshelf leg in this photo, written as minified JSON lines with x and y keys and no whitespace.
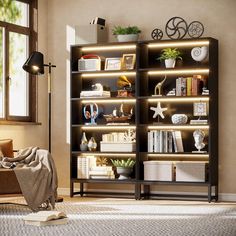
{"x":71,"y":188}
{"x":146,"y":190}
{"x":137,"y":191}
{"x":81,"y":189}
{"x":209,"y":193}
{"x":216,"y":193}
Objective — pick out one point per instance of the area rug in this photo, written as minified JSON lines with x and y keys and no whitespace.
{"x":115,"y":217}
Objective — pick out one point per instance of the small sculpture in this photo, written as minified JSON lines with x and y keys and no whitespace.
{"x":92,"y":145}
{"x":176,"y":28}
{"x":198,"y":138}
{"x":90,"y":111}
{"x":179,"y":119}
{"x":84,"y":143}
{"x":101,"y":161}
{"x":195,"y":29}
{"x":157,"y":34}
{"x":129,"y":136}
{"x":158,"y":110}
{"x":125,"y":87}
{"x":171,"y":92}
{"x":199,"y":53}
{"x":159,"y":86}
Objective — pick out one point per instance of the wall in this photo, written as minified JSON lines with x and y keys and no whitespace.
{"x":219,"y":20}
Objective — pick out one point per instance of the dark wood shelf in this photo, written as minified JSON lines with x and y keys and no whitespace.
{"x":147,"y":73}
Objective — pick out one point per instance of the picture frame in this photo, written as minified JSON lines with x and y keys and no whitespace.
{"x":113,"y":63}
{"x":200,"y":109}
{"x":128,"y":61}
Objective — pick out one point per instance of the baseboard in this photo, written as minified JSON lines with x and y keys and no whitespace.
{"x":226,"y":197}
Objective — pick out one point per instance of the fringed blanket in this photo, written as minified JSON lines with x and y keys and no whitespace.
{"x":36,"y":173}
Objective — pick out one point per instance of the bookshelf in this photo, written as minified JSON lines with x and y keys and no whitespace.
{"x":148,"y":71}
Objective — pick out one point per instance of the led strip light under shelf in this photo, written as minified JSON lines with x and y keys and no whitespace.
{"x":179,"y":44}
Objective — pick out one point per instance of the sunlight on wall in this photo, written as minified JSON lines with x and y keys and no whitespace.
{"x":70,"y":40}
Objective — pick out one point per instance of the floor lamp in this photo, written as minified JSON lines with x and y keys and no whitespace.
{"x":35,"y":66}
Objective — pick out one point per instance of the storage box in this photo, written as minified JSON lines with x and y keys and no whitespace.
{"x":86,"y":34}
{"x":117,"y":147}
{"x":158,"y":170}
{"x":191,"y":171}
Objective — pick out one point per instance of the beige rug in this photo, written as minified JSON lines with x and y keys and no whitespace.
{"x":106,"y":216}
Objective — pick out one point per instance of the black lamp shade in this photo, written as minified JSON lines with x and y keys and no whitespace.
{"x":34,"y":64}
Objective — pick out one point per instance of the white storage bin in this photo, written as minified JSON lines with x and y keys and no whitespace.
{"x":158,"y":170}
{"x":86,"y":34}
{"x":191,"y":171}
{"x":117,"y":147}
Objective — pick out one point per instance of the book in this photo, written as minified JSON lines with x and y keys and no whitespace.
{"x":42,"y":218}
{"x":189,"y":86}
{"x":178,"y":142}
{"x":46,"y":223}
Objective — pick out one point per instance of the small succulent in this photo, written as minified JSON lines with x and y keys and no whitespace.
{"x":123,"y":163}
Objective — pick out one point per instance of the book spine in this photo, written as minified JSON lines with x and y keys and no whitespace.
{"x":161,"y":141}
{"x":165,"y":141}
{"x":183,"y":87}
{"x":79,"y":167}
{"x":170,"y":143}
{"x":194,"y":86}
{"x":174,"y":141}
{"x":179,"y":141}
{"x":189,"y":86}
{"x":178,"y":87}
{"x":148,"y":141}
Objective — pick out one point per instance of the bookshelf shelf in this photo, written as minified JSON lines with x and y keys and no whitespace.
{"x":145,"y":75}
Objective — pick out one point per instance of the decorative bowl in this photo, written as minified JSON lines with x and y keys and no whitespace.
{"x":179,"y":119}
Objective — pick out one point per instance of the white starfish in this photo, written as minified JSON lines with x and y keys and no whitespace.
{"x":158,"y":110}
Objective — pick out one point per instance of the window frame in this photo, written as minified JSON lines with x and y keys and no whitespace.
{"x":31,"y":32}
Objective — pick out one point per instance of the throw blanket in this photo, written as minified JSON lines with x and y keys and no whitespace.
{"x":36,"y":173}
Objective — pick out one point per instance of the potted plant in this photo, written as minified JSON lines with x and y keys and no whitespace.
{"x":126,"y":34}
{"x":123,"y":167}
{"x":170,"y":55}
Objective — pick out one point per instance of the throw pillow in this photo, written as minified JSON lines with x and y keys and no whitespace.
{"x":6,"y":146}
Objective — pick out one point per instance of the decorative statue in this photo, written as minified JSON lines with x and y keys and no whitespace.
{"x":198,"y":138}
{"x":159,"y":86}
{"x":91,"y":112}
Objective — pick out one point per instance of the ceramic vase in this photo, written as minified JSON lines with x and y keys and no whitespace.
{"x":84,"y":143}
{"x":92,"y":145}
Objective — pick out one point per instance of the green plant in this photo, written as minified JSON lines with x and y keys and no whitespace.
{"x":123,"y":163}
{"x":117,"y":30}
{"x":170,"y":53}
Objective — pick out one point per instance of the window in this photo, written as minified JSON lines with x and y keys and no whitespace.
{"x":17,"y":40}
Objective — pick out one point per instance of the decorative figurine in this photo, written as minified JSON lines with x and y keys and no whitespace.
{"x":157,"y":34}
{"x":84,"y":143}
{"x":91,"y":112}
{"x":158,"y":110}
{"x":92,"y":145}
{"x":125,"y":87}
{"x":176,"y":28}
{"x":159,"y":86}
{"x":198,"y":138}
{"x":195,"y":29}
{"x":199,"y":53}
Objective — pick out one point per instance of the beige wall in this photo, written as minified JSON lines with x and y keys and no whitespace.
{"x":219,"y":19}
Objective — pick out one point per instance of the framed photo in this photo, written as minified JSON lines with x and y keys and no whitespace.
{"x":200,"y":109}
{"x":128,"y":61}
{"x":113,"y":63}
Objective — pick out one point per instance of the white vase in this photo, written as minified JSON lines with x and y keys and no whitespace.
{"x":127,"y":37}
{"x":170,"y":63}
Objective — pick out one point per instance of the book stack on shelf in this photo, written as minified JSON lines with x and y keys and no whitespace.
{"x":165,"y":141}
{"x":189,"y":86}
{"x":101,"y":172}
{"x":88,"y":169}
{"x":44,"y":218}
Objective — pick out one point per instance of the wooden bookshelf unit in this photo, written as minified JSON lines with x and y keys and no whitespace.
{"x":146,"y":74}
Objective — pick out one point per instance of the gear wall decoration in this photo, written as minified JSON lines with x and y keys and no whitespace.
{"x":157,"y":34}
{"x":176,"y":28}
{"x":195,"y":29}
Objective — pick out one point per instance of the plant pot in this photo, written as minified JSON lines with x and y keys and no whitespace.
{"x":170,"y":63}
{"x":124,"y":172}
{"x":127,"y":37}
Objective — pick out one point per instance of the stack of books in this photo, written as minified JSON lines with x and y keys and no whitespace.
{"x":165,"y":141}
{"x":43,"y":218}
{"x":101,"y":172}
{"x":83,"y":166}
{"x":87,"y":94}
{"x":189,"y":86}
